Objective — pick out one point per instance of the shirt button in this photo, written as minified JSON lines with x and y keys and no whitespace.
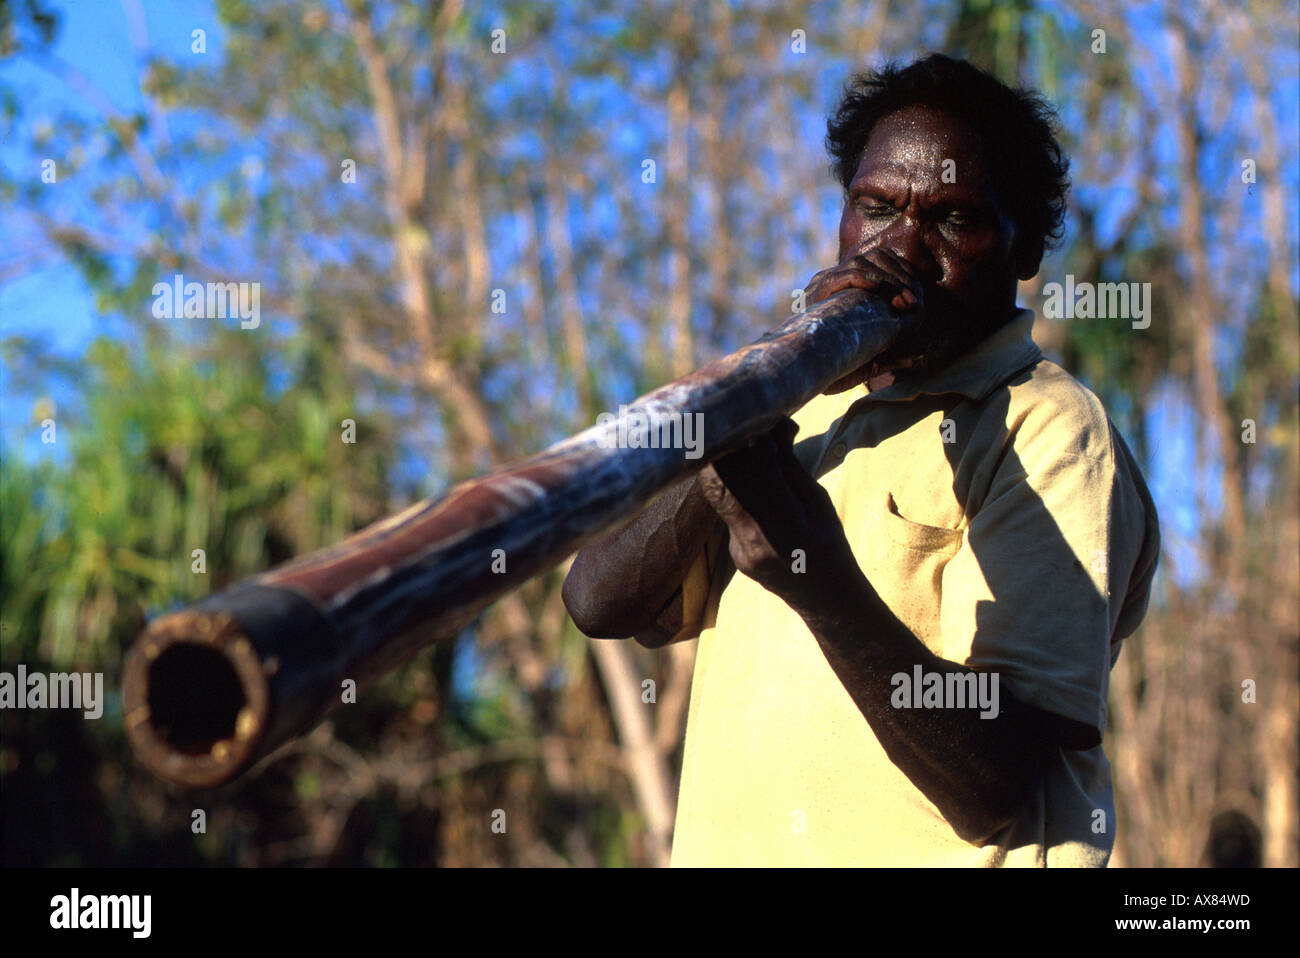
{"x":839,"y":450}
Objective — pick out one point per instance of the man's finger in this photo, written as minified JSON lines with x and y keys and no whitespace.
{"x":869,"y":278}
{"x":718,"y":495}
{"x":899,"y":278}
{"x":745,"y":531}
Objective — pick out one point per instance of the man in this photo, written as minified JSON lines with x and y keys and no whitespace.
{"x":912,"y":666}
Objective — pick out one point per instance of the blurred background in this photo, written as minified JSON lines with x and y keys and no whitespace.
{"x":476,"y":226}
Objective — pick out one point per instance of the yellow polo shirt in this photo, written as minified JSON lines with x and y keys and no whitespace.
{"x":997,"y":511}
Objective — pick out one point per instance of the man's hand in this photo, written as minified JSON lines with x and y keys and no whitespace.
{"x":876,"y":271}
{"x":784,"y":532}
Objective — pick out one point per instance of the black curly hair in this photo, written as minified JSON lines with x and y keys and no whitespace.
{"x":1017,"y":126}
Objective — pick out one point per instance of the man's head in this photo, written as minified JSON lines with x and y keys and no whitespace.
{"x":957,"y":175}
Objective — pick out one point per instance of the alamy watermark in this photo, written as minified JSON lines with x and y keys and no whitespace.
{"x":181,"y":300}
{"x":76,"y":910}
{"x":945,"y":690}
{"x":638,"y":429}
{"x":1086,"y":300}
{"x":58,"y":690}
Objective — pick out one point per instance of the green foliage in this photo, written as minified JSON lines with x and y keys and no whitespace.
{"x":172,"y":452}
{"x":173,"y":448}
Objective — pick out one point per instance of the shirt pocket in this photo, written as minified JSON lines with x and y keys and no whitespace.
{"x":915,"y":535}
{"x":905,"y":563}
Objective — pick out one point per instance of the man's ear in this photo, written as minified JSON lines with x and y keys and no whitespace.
{"x":1028,"y":260}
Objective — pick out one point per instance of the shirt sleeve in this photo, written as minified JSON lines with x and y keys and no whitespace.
{"x":702,"y":587}
{"x":1057,"y":553}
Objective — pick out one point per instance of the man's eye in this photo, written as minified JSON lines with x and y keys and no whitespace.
{"x":876,"y":210}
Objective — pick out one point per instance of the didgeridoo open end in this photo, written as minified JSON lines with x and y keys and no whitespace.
{"x":196,"y":698}
{"x":210,"y":689}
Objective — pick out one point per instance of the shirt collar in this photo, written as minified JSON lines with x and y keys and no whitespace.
{"x":978,"y":371}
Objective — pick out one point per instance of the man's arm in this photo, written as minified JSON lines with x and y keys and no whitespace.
{"x":629,"y":583}
{"x":975,"y":770}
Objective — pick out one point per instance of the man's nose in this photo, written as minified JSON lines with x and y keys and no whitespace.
{"x":905,"y":238}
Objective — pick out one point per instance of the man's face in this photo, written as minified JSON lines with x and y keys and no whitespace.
{"x":923,"y":191}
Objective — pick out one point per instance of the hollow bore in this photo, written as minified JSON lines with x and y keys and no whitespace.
{"x":194,"y":697}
